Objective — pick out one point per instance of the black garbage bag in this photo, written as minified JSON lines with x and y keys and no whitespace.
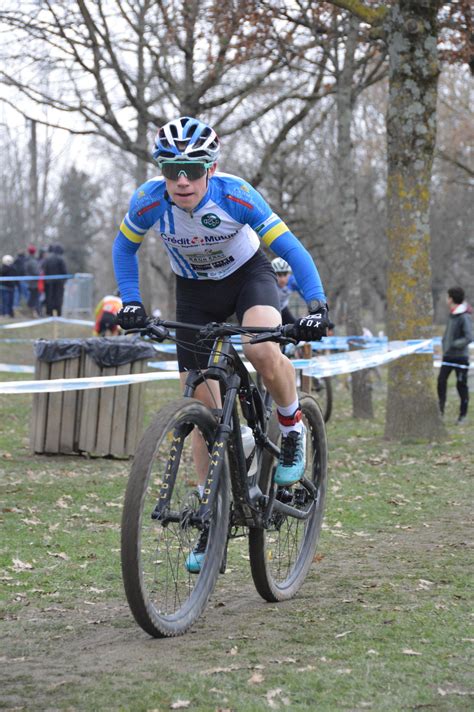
{"x":106,"y":352}
{"x":117,"y":350}
{"x":51,"y":351}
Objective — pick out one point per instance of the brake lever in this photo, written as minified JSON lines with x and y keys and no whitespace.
{"x":157,"y":331}
{"x":260,"y":338}
{"x":281,"y":338}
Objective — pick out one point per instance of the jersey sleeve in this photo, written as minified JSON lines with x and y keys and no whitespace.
{"x":279,"y":238}
{"x":142,"y":214}
{"x":250,"y":207}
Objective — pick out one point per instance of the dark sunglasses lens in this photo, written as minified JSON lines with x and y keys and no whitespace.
{"x":192,"y":171}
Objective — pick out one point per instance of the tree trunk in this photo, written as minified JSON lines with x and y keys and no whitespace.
{"x":33,"y":203}
{"x":361,"y":388}
{"x":412,"y":410}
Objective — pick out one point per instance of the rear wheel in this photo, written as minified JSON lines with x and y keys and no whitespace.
{"x":281,"y":555}
{"x":321,"y":388}
{"x":163,"y":595}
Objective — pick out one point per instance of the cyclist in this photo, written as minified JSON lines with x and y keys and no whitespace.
{"x":211,"y":225}
{"x":286,"y":284}
{"x":105,"y":315}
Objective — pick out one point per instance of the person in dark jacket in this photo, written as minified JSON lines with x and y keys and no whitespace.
{"x":54,"y":288}
{"x":32,"y":269}
{"x":456,"y":340}
{"x":7,"y":289}
{"x":21,"y":289}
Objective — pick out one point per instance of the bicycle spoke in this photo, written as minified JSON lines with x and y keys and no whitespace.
{"x":281,"y":555}
{"x":163,"y":594}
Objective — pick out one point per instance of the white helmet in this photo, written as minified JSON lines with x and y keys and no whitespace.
{"x":280,"y":266}
{"x":186,"y":139}
{"x":7,"y":260}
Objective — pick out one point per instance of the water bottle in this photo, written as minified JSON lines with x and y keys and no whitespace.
{"x":249,"y":447}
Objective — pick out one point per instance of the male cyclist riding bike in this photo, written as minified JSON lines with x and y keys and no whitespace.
{"x":211,"y":224}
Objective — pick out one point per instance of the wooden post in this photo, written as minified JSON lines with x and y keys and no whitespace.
{"x":306,"y":380}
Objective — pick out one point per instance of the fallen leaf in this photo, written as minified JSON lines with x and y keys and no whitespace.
{"x":275,"y":703}
{"x":256,"y":678}
{"x":59,"y":555}
{"x":343,"y":635}
{"x":408,"y":651}
{"x":180,"y":704}
{"x":19,"y":565}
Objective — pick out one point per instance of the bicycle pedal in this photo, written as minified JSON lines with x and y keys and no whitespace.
{"x":284,"y":495}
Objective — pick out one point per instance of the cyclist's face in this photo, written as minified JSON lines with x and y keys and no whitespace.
{"x":282,"y":278}
{"x":188,"y":193}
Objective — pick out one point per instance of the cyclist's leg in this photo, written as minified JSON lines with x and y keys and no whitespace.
{"x":275,"y":368}
{"x":259,"y":305}
{"x":279,"y":377}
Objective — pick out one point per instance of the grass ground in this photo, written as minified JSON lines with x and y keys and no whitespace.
{"x":382,"y":622}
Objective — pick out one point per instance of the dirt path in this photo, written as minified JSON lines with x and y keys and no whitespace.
{"x":43,"y":650}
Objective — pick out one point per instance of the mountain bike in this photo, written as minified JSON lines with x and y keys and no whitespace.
{"x":163,"y":515}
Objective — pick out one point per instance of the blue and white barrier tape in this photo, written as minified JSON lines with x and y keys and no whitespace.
{"x":320,"y":367}
{"x":352,"y":361}
{"x":16,"y":368}
{"x":36,"y":277}
{"x":46,"y":320}
{"x":81,"y":384}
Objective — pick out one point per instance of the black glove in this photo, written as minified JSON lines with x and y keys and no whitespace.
{"x":132,"y":316}
{"x":314,"y":326}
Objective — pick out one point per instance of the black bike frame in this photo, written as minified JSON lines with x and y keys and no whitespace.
{"x":226,"y":367}
{"x":251,"y":506}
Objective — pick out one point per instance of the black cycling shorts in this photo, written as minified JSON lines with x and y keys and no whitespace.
{"x":202,"y":301}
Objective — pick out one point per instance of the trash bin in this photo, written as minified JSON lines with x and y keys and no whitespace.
{"x":102,"y":421}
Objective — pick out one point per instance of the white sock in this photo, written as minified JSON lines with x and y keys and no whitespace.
{"x":287,"y":414}
{"x":200,"y":489}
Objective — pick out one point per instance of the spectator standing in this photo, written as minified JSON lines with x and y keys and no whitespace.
{"x":54,"y":264}
{"x":7,"y":289}
{"x":456,"y":340}
{"x":21,"y":289}
{"x":32,"y":269}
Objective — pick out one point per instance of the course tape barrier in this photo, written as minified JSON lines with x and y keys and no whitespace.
{"x":46,"y":320}
{"x":16,"y":368}
{"x":320,"y":367}
{"x":26,"y":278}
{"x":337,"y":364}
{"x":82,"y":384}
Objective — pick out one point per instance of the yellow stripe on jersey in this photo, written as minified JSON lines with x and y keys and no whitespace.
{"x":130,"y":234}
{"x":274,"y":232}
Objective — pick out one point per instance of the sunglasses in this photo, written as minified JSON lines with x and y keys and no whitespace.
{"x":192,"y":171}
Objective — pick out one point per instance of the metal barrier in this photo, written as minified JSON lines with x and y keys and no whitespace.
{"x":78,"y":295}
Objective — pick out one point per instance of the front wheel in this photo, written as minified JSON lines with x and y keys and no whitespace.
{"x":281,"y":555}
{"x":159,"y":527}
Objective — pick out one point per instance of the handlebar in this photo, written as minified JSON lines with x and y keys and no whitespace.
{"x":159,"y":329}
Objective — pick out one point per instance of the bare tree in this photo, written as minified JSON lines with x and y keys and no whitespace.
{"x":124,"y":67}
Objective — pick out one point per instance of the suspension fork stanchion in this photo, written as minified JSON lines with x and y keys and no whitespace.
{"x":223,"y":432}
{"x":179,"y":434}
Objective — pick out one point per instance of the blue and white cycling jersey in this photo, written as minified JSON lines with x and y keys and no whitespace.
{"x":211,"y":242}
